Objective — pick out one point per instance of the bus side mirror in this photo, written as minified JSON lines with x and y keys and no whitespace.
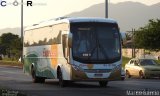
{"x":123,"y":35}
{"x":70,"y":40}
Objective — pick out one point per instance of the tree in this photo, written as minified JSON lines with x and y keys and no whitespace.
{"x":129,"y":35}
{"x":10,"y":45}
{"x":148,"y":37}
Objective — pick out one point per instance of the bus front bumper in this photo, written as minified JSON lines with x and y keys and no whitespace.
{"x":84,"y":76}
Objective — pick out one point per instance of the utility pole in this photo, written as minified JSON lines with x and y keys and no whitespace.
{"x":133,"y":44}
{"x":22,"y":21}
{"x":22,"y":29}
{"x":106,"y":8}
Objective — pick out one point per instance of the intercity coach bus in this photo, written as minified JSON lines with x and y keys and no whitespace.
{"x":73,"y":49}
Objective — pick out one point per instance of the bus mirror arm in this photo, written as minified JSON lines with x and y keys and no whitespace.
{"x":67,"y":60}
{"x":68,"y":55}
{"x":70,"y":40}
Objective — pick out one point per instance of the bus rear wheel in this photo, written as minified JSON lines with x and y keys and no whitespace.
{"x":103,"y":83}
{"x":36,"y":79}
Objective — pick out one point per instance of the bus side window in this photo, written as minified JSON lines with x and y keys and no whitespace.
{"x":65,"y":44}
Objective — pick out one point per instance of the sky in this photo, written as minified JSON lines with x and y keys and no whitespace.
{"x":47,"y":9}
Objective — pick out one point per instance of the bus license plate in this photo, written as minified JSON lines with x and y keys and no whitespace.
{"x":98,"y":75}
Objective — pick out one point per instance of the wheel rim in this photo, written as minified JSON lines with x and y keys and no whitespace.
{"x":127,"y":74}
{"x":141,"y":75}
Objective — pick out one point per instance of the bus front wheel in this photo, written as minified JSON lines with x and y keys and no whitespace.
{"x":62,"y":82}
{"x":103,"y":83}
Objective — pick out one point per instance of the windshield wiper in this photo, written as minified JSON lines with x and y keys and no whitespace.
{"x":102,"y":49}
{"x":98,"y":46}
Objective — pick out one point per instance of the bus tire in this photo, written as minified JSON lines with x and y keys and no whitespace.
{"x":36,"y":79}
{"x":103,"y":83}
{"x":41,"y":80}
{"x":62,"y":82}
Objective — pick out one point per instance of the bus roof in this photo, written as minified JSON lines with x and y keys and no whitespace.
{"x":68,"y":20}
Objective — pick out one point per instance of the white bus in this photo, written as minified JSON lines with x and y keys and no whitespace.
{"x":73,"y":49}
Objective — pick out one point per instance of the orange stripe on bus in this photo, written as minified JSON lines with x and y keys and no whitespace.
{"x":54,"y":60}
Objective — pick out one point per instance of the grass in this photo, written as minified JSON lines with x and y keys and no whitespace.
{"x":9,"y":59}
{"x":158,"y":61}
{"x":11,"y":63}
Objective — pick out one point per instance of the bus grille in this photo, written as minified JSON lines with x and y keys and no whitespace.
{"x":97,"y":70}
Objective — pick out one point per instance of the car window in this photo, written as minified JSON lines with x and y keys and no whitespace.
{"x":131,"y":62}
{"x":147,"y":62}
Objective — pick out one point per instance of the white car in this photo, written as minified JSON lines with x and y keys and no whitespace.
{"x":143,"y":68}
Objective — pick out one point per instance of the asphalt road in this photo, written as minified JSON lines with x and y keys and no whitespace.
{"x":15,"y":79}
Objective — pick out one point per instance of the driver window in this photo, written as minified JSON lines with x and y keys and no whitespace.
{"x":132,"y":61}
{"x":136,"y":63}
{"x":83,"y":41}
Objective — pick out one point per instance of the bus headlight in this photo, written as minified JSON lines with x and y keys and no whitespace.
{"x":77,"y":68}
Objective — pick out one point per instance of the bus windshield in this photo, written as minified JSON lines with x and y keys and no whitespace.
{"x":95,"y":42}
